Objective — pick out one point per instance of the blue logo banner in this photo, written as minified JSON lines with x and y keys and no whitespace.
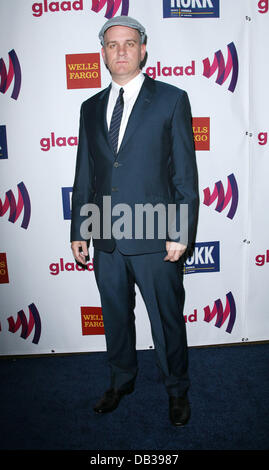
{"x":191,"y":8}
{"x":3,"y":142}
{"x":205,"y":258}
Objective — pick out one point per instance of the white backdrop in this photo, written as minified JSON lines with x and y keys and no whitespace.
{"x":42,"y":289}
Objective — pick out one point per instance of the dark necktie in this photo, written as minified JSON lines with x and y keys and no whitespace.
{"x":116,"y":120}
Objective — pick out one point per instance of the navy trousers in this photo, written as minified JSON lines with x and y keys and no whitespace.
{"x":161,"y":285}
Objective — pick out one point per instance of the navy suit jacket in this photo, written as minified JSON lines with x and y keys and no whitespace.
{"x":155,"y":163}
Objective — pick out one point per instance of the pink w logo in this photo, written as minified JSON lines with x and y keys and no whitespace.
{"x":112,"y":7}
{"x":14,"y":71}
{"x":222,"y":315}
{"x":223,"y":70}
{"x":15,"y":208}
{"x":27,"y":325}
{"x":223,"y":199}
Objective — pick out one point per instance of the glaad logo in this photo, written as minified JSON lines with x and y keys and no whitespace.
{"x":45,"y":6}
{"x":261,"y":259}
{"x":207,"y":70}
{"x":223,"y":199}
{"x":112,"y":7}
{"x":56,"y":268}
{"x":262,"y":138}
{"x":14,"y":72}
{"x":232,"y":66}
{"x":15,"y":208}
{"x":205,"y":259}
{"x":191,"y":8}
{"x":263,"y":6}
{"x":27,"y":325}
{"x":3,"y":143}
{"x":38,"y":8}
{"x":168,"y":71}
{"x":222,"y":314}
{"x":46,"y":143}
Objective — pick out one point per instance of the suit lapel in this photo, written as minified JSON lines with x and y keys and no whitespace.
{"x":101,"y":115}
{"x":141,"y":105}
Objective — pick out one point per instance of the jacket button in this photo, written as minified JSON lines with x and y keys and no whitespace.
{"x":114,"y":188}
{"x":116,"y":164}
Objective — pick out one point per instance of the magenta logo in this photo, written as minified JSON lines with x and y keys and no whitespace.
{"x":15,"y":208}
{"x":222,"y":314}
{"x":112,"y":7}
{"x":222,"y":198}
{"x":27,"y":326}
{"x":13,"y":73}
{"x":231,"y":67}
{"x":263,"y":6}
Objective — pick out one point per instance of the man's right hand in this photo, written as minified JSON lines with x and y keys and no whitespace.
{"x":79,"y":255}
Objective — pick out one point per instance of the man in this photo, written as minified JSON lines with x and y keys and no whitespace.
{"x":136,"y":146}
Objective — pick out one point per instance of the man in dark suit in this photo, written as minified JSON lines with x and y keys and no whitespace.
{"x":136,"y":149}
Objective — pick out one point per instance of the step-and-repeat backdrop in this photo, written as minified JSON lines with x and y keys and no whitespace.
{"x":50,"y":62}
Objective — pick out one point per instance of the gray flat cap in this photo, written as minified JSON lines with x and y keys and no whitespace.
{"x":123,"y":21}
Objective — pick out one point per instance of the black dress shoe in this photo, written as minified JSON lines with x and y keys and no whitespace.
{"x":179,"y":410}
{"x":111,"y":399}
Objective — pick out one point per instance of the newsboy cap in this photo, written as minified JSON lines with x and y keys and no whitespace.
{"x":123,"y":21}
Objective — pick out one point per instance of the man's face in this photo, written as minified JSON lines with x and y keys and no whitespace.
{"x":123,"y":53}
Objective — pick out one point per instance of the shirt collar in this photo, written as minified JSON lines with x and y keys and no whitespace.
{"x":131,"y":87}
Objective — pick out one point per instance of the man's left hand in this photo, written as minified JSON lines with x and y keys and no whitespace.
{"x":174,"y":251}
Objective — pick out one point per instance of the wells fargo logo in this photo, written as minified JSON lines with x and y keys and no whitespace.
{"x":224,"y":70}
{"x":83,"y":70}
{"x":26,"y":325}
{"x":13,"y":73}
{"x":201,"y":132}
{"x":3,"y":269}
{"x":112,"y":6}
{"x":92,"y":321}
{"x":15,"y":208}
{"x":223,"y":199}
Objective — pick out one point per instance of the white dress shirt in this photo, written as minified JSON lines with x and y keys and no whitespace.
{"x":131,"y":91}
